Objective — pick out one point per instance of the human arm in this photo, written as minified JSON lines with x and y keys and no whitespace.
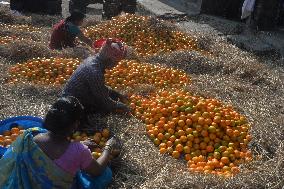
{"x":85,"y":39}
{"x":115,"y":95}
{"x":101,"y":92}
{"x":96,"y":167}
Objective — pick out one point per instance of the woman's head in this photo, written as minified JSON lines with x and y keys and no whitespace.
{"x":76,"y":18}
{"x":64,"y":116}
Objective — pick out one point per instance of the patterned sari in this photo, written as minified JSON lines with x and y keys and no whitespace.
{"x":25,"y":166}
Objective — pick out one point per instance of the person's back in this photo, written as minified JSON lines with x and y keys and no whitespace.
{"x":79,"y":83}
{"x":49,"y":159}
{"x":65,"y":32}
{"x":70,"y":156}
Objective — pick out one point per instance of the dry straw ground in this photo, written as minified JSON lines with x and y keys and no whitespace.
{"x":254,"y":85}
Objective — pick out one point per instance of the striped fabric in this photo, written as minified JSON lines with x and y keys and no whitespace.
{"x":88,"y":85}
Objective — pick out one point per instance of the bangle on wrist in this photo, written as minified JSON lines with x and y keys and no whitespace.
{"x":108,"y":148}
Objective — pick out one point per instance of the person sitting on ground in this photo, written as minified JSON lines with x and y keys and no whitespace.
{"x":65,"y":32}
{"x":50,"y":160}
{"x":87,"y":83}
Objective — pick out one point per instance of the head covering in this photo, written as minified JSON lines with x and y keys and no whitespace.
{"x":113,"y":50}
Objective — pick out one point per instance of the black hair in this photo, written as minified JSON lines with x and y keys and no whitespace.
{"x":75,"y":16}
{"x":62,"y":115}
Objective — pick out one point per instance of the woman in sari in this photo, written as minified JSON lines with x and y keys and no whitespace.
{"x":46,"y":159}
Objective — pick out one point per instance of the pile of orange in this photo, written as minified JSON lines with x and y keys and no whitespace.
{"x":130,"y":73}
{"x":100,"y":138}
{"x":148,"y":36}
{"x":7,"y":39}
{"x":10,"y":136}
{"x":44,"y":70}
{"x":209,"y":135}
{"x":20,"y":28}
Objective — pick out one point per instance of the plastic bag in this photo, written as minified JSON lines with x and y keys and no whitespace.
{"x":247,"y":8}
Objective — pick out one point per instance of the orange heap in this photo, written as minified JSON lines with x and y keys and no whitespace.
{"x":7,"y":39}
{"x":210,"y":136}
{"x":44,"y":70}
{"x":131,"y":73}
{"x":7,"y":137}
{"x":148,"y":36}
{"x":20,"y":27}
{"x":100,"y":138}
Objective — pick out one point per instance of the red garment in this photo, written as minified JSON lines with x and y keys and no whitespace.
{"x":60,"y":37}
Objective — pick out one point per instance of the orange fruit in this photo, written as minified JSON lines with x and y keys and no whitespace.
{"x":187,"y":157}
{"x":181,"y":123}
{"x":179,"y":148}
{"x":6,"y":133}
{"x":163,"y":145}
{"x":186,"y":149}
{"x":181,"y":133}
{"x":163,"y":150}
{"x":176,"y":154}
{"x":15,"y":130}
{"x":225,"y":160}
{"x":8,"y":141}
{"x":183,"y":139}
{"x":209,"y":148}
{"x":157,"y":142}
{"x":160,"y":136}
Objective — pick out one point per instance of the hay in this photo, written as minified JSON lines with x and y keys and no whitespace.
{"x":252,"y":84}
{"x":23,"y":50}
{"x":6,"y":16}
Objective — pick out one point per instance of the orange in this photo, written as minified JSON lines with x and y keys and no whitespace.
{"x":105,"y":133}
{"x":186,"y":149}
{"x":204,"y":133}
{"x":179,"y":148}
{"x":163,"y":150}
{"x":181,"y":133}
{"x":235,"y":170}
{"x":6,"y":133}
{"x":163,"y":145}
{"x":15,"y":130}
{"x":173,"y":138}
{"x":99,"y":135}
{"x":8,"y":141}
{"x":209,"y":148}
{"x":160,"y":136}
{"x":201,"y":121}
{"x":183,"y":138}
{"x":225,"y":160}
{"x":176,"y":154}
{"x":188,"y":122}
{"x":181,"y":123}
{"x":157,"y":142}
{"x":169,"y":143}
{"x":187,"y":157}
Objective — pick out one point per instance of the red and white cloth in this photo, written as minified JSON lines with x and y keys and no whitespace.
{"x":113,"y":49}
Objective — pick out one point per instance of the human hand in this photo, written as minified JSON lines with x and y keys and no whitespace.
{"x":123,"y":98}
{"x":122,"y":108}
{"x":114,"y":146}
{"x":90,"y":143}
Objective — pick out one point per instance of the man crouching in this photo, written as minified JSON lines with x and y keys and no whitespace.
{"x":87,"y":83}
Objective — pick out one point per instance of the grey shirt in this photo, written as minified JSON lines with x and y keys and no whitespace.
{"x":87,"y":84}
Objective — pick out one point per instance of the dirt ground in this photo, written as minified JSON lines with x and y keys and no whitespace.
{"x":252,"y":84}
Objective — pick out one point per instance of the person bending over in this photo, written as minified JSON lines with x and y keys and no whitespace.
{"x":65,"y":32}
{"x":50,"y":160}
{"x":87,"y":83}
